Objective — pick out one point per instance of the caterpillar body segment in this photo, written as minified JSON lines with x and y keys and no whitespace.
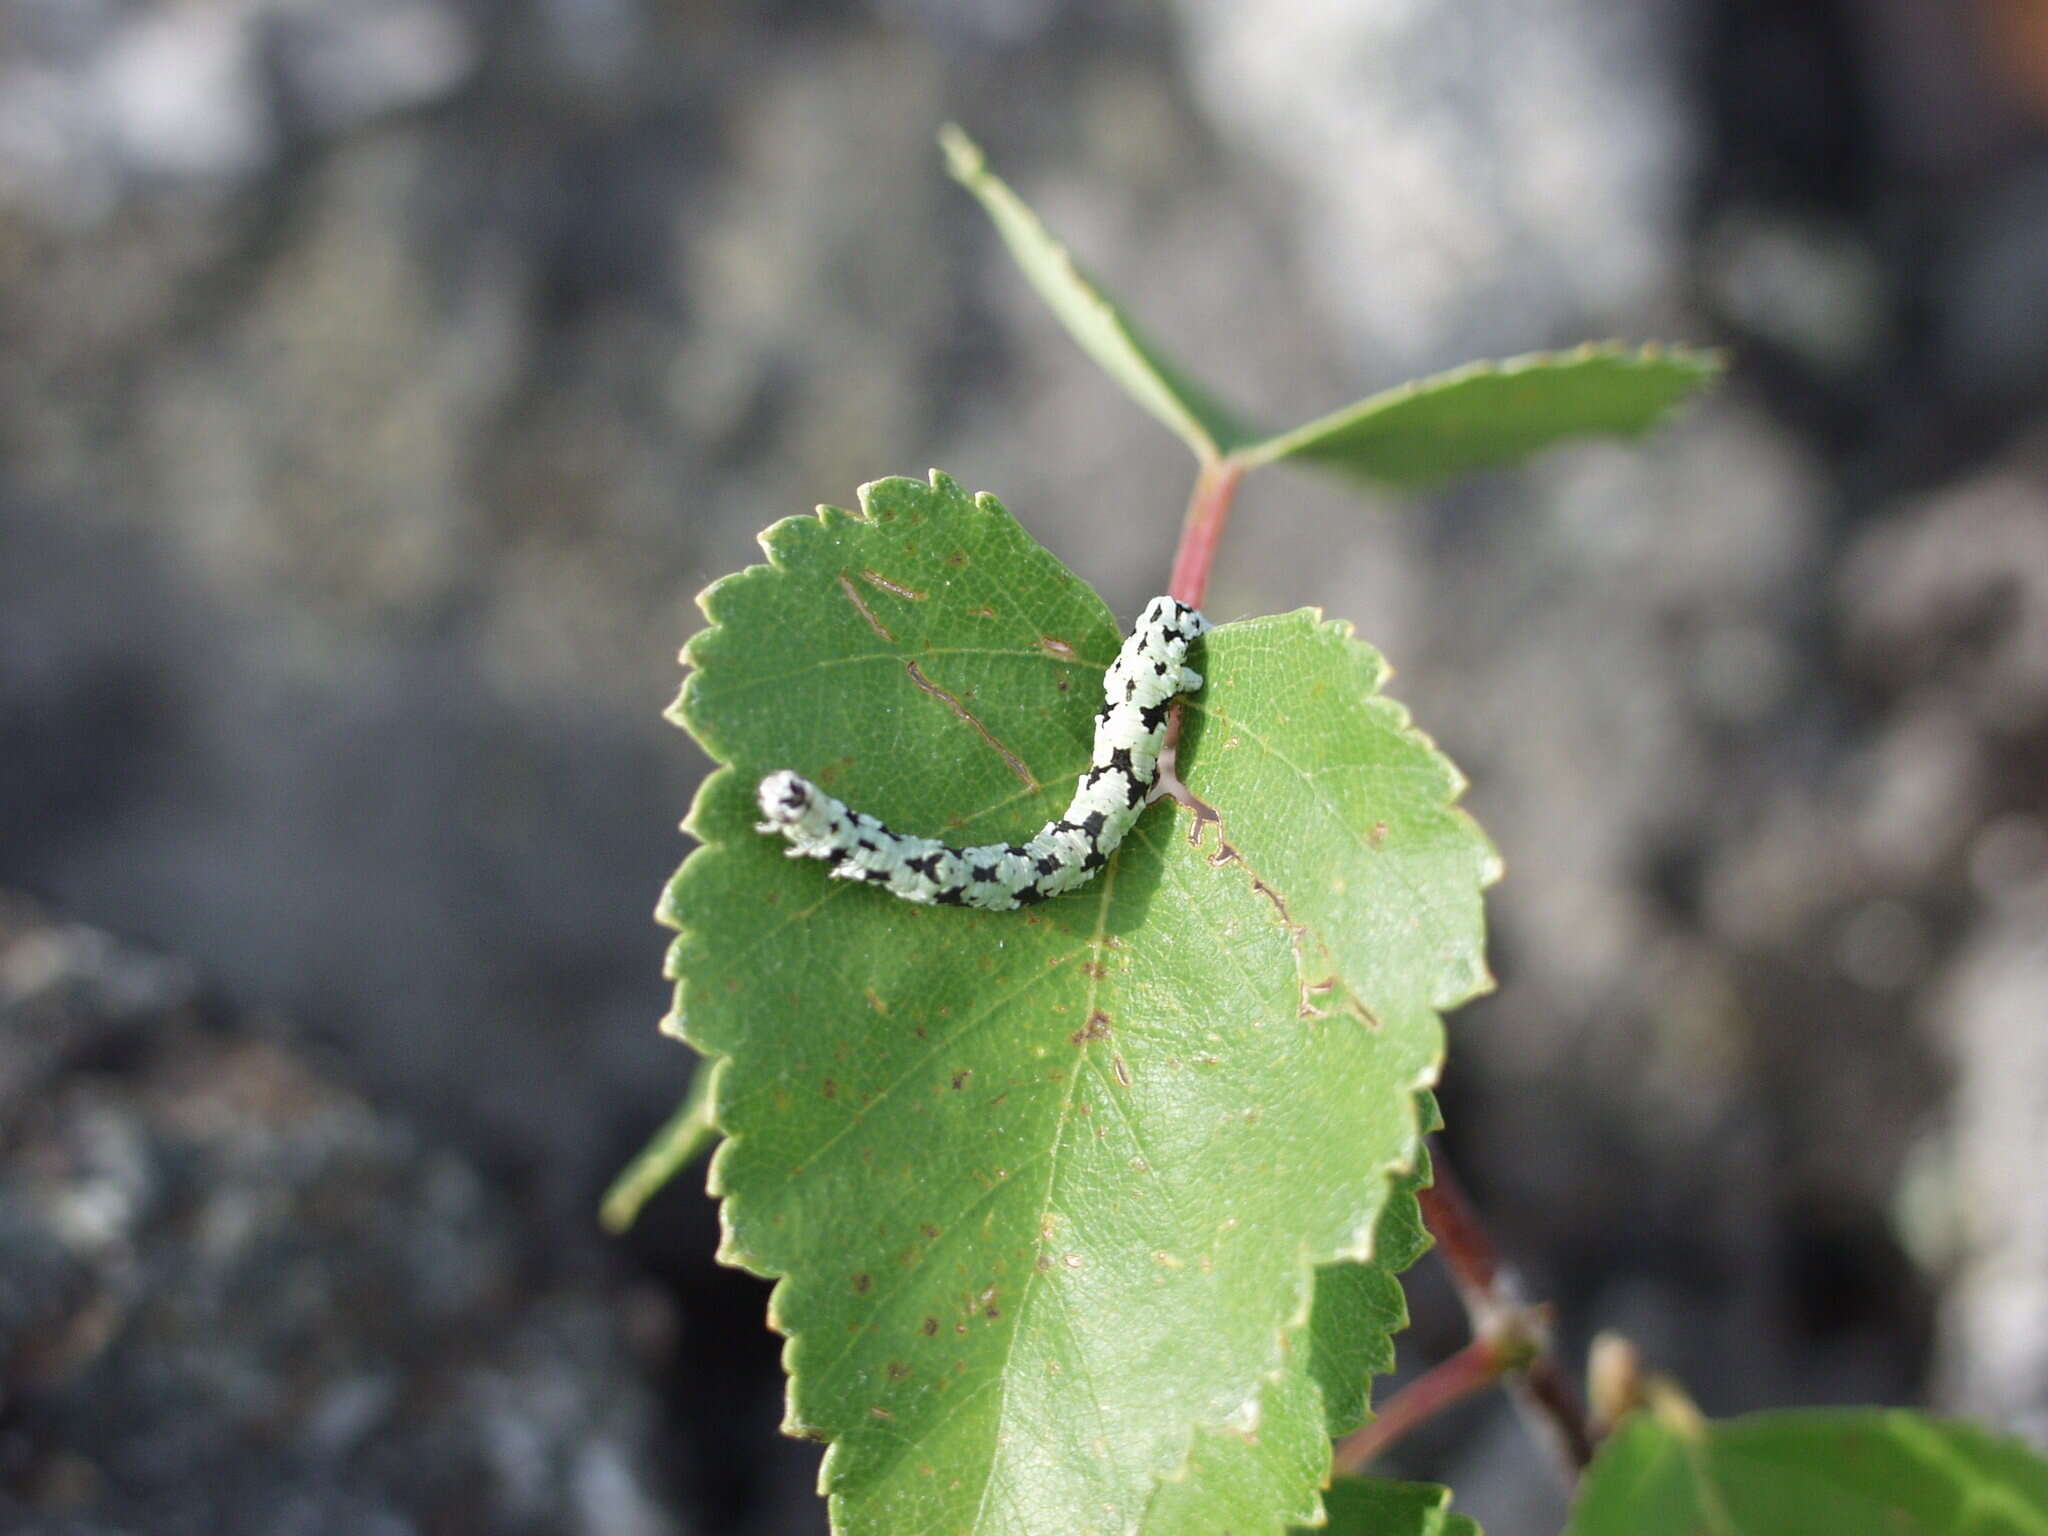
{"x":1137,"y":694}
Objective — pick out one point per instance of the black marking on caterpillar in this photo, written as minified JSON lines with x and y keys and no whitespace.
{"x":1147,"y":675}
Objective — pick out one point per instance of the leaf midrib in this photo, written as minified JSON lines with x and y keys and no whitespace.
{"x":1065,"y":1119}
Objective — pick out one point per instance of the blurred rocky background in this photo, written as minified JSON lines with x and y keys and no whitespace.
{"x":379,"y":380}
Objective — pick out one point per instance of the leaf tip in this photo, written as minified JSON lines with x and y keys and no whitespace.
{"x":964,"y":157}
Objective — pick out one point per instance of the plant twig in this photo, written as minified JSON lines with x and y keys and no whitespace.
{"x":1201,"y":532}
{"x":1499,"y":1314}
{"x":1462,"y":1242}
{"x":1546,"y":1396}
{"x":1208,"y":512}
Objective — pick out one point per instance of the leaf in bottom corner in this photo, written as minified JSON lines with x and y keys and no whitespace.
{"x":1812,"y":1472}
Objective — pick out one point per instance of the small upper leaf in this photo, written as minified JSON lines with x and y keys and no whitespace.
{"x":1049,"y":1189}
{"x":1103,"y":330}
{"x":1811,"y":1473}
{"x":1490,"y":414}
{"x":1476,"y":417}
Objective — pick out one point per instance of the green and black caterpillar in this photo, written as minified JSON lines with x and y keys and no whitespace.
{"x":1137,"y":692}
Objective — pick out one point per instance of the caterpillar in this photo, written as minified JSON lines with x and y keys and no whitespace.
{"x":1147,"y":675}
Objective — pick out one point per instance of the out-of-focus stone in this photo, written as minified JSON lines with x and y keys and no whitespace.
{"x":1992,"y":1350}
{"x":1952,"y":591}
{"x":1474,"y":177}
{"x":102,"y":104}
{"x":237,"y":1299}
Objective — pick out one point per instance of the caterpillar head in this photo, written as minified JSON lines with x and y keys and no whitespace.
{"x":1174,"y":619}
{"x":786,"y":798}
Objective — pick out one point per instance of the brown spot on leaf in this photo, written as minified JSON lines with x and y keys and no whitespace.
{"x":1052,"y":645}
{"x":1279,"y":901}
{"x":1016,"y":763}
{"x":1097,"y":1028}
{"x":867,"y":614}
{"x":862,"y":1283}
{"x":877,"y":579}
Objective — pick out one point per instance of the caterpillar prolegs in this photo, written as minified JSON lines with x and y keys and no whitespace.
{"x":1141,"y":684}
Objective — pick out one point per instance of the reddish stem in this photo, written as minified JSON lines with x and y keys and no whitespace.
{"x":1496,"y":1310}
{"x":1208,"y":511}
{"x":1546,"y":1395}
{"x":1444,"y":1385}
{"x":1464,"y":1245}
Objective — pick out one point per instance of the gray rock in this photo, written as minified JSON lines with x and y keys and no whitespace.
{"x":1992,"y":1350}
{"x":1473,"y":178}
{"x":102,"y":104}
{"x":234,"y":1298}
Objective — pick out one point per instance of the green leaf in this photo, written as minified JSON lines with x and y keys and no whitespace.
{"x":1360,"y":1506}
{"x":1812,"y":1473}
{"x":1256,"y":1477}
{"x":1489,"y":414}
{"x":1103,"y":331}
{"x":1048,"y":1189}
{"x":1260,"y":1475}
{"x":1360,"y":1307}
{"x":668,"y":1152}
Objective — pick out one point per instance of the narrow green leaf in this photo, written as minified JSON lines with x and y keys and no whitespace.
{"x":686,"y":1133}
{"x":1363,"y":1506}
{"x":1047,"y":1190}
{"x":1820,"y":1472}
{"x":1101,"y":328}
{"x":1489,"y":414}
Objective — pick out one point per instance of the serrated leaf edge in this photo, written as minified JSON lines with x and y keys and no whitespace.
{"x":1291,"y":1334}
